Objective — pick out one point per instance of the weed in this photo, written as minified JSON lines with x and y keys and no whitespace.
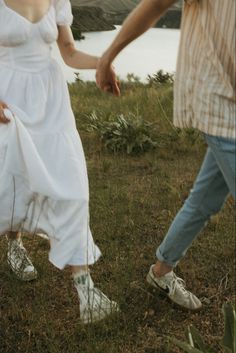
{"x":196,"y":343}
{"x":130,"y":134}
{"x":160,"y":78}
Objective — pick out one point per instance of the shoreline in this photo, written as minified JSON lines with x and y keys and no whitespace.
{"x":94,"y":19}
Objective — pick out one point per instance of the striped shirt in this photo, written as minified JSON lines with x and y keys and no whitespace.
{"x":206,"y":71}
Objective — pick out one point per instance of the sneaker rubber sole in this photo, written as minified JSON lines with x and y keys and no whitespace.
{"x":24,"y":277}
{"x":88,"y":318}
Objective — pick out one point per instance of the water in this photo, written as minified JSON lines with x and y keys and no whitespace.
{"x":155,"y":50}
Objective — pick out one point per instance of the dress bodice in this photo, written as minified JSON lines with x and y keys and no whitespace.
{"x":25,"y":44}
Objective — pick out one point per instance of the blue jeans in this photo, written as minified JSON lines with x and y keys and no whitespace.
{"x":214,"y":182}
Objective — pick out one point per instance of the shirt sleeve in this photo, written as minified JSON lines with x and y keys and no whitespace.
{"x":64,"y":15}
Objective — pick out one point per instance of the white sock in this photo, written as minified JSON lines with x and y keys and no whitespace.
{"x":83,"y":284}
{"x":83,"y":279}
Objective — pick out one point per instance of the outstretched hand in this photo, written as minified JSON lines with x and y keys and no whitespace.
{"x":106,"y":78}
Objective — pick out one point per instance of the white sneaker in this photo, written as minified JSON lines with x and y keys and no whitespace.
{"x":19,"y":262}
{"x":174,"y":288}
{"x":94,"y":305}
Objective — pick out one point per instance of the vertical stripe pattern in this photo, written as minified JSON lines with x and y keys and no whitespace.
{"x":205,"y":81}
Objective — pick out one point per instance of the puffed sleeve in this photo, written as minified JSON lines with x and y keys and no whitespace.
{"x":64,"y":15}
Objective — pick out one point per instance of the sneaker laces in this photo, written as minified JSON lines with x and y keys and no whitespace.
{"x":97,"y":300}
{"x":18,"y":255}
{"x":178,"y":282}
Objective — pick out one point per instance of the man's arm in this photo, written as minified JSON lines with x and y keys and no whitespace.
{"x":139,"y":21}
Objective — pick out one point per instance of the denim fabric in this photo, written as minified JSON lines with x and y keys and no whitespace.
{"x":214,"y":182}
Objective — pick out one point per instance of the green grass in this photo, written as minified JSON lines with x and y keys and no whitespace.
{"x":133,"y":200}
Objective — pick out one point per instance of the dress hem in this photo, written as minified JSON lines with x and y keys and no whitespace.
{"x":61,"y":266}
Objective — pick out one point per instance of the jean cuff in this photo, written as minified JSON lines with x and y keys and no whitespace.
{"x":161,"y":258}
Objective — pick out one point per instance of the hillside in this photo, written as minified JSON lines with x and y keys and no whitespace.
{"x":109,"y":6}
{"x":88,"y":19}
{"x":113,"y":6}
{"x":102,"y":15}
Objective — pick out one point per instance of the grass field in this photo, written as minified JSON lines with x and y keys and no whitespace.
{"x":133,"y":200}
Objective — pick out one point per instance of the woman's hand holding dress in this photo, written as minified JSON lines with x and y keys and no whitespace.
{"x":3,"y":118}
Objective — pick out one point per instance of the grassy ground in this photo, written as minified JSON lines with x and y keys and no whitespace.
{"x":133,"y":200}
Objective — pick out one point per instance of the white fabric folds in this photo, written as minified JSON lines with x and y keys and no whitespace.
{"x":43,"y":176}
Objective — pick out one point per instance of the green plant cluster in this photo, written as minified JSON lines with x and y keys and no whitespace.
{"x":77,"y":33}
{"x":160,"y":78}
{"x":196,"y":343}
{"x":130,"y":134}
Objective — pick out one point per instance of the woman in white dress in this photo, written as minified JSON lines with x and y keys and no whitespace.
{"x":43,"y":177}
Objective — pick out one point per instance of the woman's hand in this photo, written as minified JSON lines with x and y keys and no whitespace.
{"x":3,"y":118}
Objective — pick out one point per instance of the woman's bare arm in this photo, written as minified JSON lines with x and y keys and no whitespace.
{"x":71,"y":56}
{"x":79,"y":60}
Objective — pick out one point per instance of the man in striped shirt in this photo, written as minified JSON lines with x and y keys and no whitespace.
{"x":204,"y":98}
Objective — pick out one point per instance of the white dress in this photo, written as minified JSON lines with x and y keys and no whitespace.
{"x":43,"y":176}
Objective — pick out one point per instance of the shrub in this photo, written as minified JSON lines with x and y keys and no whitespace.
{"x":132,"y":78}
{"x":77,"y":77}
{"x":160,"y":78}
{"x":130,"y":134}
{"x":196,"y":344}
{"x":77,"y":33}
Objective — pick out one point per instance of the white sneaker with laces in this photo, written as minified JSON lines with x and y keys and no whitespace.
{"x":94,"y":305}
{"x":174,"y":288}
{"x":19,"y":261}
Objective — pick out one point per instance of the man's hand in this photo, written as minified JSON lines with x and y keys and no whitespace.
{"x":139,"y":21}
{"x":106,"y":78}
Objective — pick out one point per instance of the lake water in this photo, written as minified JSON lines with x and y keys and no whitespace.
{"x":155,"y":50}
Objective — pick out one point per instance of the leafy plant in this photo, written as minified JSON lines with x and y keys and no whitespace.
{"x":130,"y":134}
{"x":160,"y":78}
{"x":77,"y":33}
{"x":77,"y":77}
{"x":196,"y":344}
{"x":132,"y":78}
{"x":229,"y":339}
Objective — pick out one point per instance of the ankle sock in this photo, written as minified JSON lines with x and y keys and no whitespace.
{"x":83,"y":279}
